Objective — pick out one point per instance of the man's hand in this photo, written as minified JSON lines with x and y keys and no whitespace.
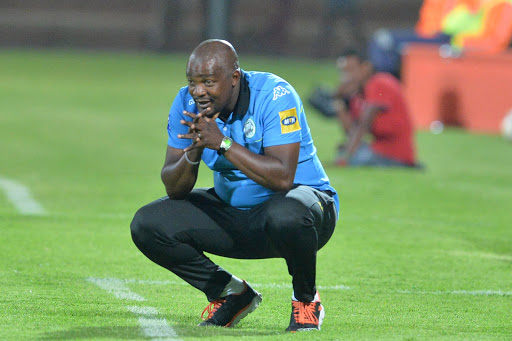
{"x":347,"y":89}
{"x":203,"y":131}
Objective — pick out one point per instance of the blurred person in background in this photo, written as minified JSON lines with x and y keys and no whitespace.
{"x":271,"y":196}
{"x":371,"y":104}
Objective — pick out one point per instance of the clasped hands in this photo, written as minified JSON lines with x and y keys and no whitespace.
{"x":202,"y":130}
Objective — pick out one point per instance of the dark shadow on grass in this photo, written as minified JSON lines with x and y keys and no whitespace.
{"x":224,"y":333}
{"x":80,"y":333}
{"x":136,"y":333}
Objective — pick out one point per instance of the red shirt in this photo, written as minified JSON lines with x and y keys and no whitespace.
{"x":392,"y":131}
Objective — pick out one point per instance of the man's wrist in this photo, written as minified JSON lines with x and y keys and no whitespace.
{"x":190,"y":161}
{"x":225,"y":144}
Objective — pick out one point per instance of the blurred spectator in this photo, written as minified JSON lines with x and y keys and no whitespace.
{"x":371,"y":104}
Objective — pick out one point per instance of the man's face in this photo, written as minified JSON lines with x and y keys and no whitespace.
{"x":351,"y":69}
{"x":353,"y":73}
{"x":211,"y":86}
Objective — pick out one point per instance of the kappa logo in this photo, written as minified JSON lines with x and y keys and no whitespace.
{"x":279,"y":91}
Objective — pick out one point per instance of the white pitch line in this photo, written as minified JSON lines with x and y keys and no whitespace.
{"x":19,"y":196}
{"x":117,"y":288}
{"x":255,"y":285}
{"x":482,"y":255}
{"x":152,"y":326}
{"x":460,"y":292}
{"x":320,"y":287}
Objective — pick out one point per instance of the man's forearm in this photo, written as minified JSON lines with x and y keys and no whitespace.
{"x":179,"y":178}
{"x":354,"y":141}
{"x":360,"y":130}
{"x":275,"y":173}
{"x":343,"y":115}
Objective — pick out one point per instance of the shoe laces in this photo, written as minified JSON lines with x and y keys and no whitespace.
{"x":304,"y":313}
{"x":212,"y":308}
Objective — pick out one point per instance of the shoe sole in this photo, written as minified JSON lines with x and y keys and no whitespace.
{"x":246,"y":311}
{"x":321,"y":317}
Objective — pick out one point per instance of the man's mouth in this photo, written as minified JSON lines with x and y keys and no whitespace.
{"x":203,"y":104}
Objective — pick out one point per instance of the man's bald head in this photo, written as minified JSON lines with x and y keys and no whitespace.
{"x":215,"y":53}
{"x":213,"y":75}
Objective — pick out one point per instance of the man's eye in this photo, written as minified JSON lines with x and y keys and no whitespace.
{"x":208,"y":82}
{"x":191,"y":83}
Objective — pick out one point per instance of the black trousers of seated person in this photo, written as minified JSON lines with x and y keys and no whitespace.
{"x":293,"y":225}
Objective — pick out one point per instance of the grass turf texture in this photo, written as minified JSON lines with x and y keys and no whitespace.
{"x":417,"y":255}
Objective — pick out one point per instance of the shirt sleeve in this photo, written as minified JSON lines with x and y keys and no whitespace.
{"x":282,"y":117}
{"x":174,"y":127}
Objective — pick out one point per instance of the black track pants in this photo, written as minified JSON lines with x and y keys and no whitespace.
{"x":291,"y":225}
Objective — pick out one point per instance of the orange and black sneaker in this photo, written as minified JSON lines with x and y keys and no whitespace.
{"x":306,"y":316}
{"x":228,"y":311}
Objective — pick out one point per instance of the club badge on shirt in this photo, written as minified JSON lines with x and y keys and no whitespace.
{"x":289,"y":121}
{"x":249,"y":128}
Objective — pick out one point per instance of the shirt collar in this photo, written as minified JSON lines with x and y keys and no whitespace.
{"x":242,"y":104}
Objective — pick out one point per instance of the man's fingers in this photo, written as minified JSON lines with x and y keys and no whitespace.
{"x":187,"y":123}
{"x":193,"y":146}
{"x":189,"y":114}
{"x":204,"y":113}
{"x":194,"y":136}
{"x":213,"y":118}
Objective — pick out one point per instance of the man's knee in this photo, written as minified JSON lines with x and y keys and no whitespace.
{"x":288,"y":213}
{"x":140,"y":229}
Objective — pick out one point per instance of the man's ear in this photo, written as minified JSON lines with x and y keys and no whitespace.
{"x":235,"y":77}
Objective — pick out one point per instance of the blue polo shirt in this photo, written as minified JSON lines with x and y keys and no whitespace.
{"x":268,"y":112}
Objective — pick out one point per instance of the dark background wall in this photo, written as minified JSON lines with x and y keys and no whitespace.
{"x":302,"y":28}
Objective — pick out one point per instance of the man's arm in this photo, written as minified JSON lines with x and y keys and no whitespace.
{"x":274,"y":170}
{"x":345,"y":91}
{"x":178,"y":175}
{"x":343,"y":116}
{"x":361,"y":129}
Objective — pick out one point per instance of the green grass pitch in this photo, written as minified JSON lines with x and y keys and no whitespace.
{"x":416,"y":255}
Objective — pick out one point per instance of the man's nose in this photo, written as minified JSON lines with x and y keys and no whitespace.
{"x":199,"y":90}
